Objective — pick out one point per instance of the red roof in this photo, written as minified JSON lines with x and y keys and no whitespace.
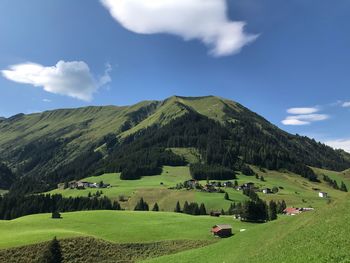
{"x":291,"y":210}
{"x":215,"y":229}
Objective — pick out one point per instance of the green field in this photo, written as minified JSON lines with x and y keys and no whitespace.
{"x":318,"y":236}
{"x":297,"y":191}
{"x":115,"y":226}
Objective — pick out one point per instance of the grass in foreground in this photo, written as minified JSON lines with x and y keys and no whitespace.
{"x":85,"y":249}
{"x":318,"y":236}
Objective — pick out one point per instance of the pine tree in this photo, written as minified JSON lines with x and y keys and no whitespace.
{"x":281,"y":206}
{"x":155,"y":207}
{"x":55,"y":215}
{"x":53,"y":253}
{"x":272,"y":210}
{"x":186,"y":208}
{"x":222,"y":212}
{"x":226,"y":196}
{"x":141,"y":206}
{"x":343,"y":187}
{"x":236,"y":183}
{"x":202,"y":210}
{"x":262,"y":179}
{"x":116,"y":206}
{"x":178,"y":207}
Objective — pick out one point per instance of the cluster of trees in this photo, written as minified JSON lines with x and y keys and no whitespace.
{"x":211,"y":172}
{"x":257,"y":211}
{"x":191,"y":208}
{"x":334,"y":183}
{"x":142,"y":205}
{"x":12,"y":206}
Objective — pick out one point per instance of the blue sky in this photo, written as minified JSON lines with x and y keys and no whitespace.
{"x":290,"y":54}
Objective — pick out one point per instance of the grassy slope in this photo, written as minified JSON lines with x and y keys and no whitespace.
{"x":115,"y":226}
{"x":318,"y":236}
{"x":86,"y":249}
{"x":296,"y":191}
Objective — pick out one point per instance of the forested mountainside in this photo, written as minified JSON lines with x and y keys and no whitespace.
{"x":6,"y":177}
{"x":60,"y":145}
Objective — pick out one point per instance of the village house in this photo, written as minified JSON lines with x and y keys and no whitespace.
{"x":191,"y":183}
{"x":249,"y":185}
{"x":228,"y":184}
{"x":215,"y":213}
{"x":267,"y":191}
{"x":222,"y":230}
{"x":323,"y":194}
{"x":292,"y":211}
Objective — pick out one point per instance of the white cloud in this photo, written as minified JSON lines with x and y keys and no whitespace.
{"x":72,"y":79}
{"x":302,"y":110}
{"x":304,"y":119}
{"x":340,"y":144}
{"x":205,"y":20}
{"x":346,"y":104}
{"x":46,"y":100}
{"x":290,"y":121}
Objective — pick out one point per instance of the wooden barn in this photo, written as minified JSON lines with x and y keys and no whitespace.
{"x":222,"y":230}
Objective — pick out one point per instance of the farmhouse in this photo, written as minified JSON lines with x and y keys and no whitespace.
{"x":249,"y":185}
{"x":291,"y":211}
{"x":267,"y":191}
{"x":191,"y":183}
{"x":228,"y":184}
{"x":215,"y":213}
{"x":323,"y":194}
{"x":222,"y":230}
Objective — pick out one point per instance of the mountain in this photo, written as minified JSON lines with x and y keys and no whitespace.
{"x":6,"y":177}
{"x":59,"y":145}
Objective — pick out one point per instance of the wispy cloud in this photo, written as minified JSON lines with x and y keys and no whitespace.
{"x":302,"y":110}
{"x":346,"y":104}
{"x":72,"y":79}
{"x":304,"y":116}
{"x":205,"y":20}
{"x":340,"y":144}
{"x":46,"y":100}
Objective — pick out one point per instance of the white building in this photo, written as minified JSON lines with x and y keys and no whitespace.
{"x":322,"y":194}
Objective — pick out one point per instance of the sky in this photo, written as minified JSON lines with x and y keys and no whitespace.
{"x":289,"y":61}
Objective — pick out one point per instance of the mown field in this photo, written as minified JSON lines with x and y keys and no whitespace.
{"x":317,"y":236}
{"x":294,"y":189}
{"x":114,"y":226}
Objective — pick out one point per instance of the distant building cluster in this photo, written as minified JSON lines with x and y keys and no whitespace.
{"x":215,"y":187}
{"x":82,"y":185}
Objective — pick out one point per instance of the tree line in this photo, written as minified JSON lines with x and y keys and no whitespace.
{"x":12,"y":206}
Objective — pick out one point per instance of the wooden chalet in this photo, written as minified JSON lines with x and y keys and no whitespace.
{"x":222,"y":230}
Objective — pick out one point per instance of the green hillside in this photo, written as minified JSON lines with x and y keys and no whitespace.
{"x":115,"y":226}
{"x":319,"y":236}
{"x":295,"y":190}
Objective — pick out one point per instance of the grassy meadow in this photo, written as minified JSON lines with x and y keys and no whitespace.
{"x":317,"y":236}
{"x":114,"y":226}
{"x":294,"y":189}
